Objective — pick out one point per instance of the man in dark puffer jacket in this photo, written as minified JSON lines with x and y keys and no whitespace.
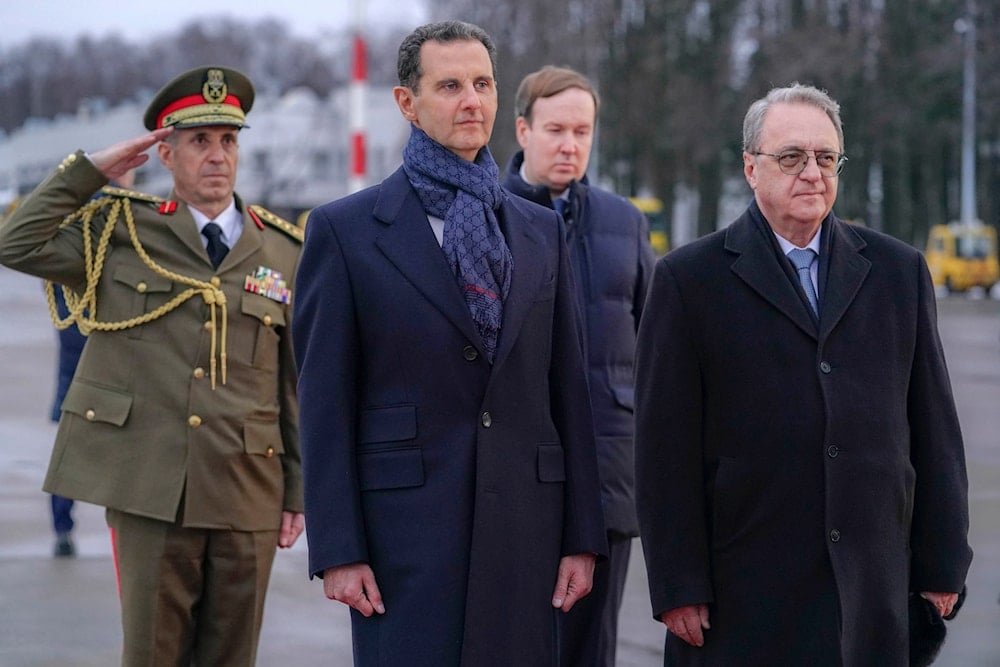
{"x":612,"y":261}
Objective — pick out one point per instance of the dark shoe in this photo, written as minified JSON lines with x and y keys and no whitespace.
{"x":64,"y":546}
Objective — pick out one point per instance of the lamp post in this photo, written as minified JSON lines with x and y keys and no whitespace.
{"x":966,"y":26}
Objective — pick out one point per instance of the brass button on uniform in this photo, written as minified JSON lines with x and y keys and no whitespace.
{"x":470,"y":353}
{"x":216,"y":281}
{"x":208,"y":325}
{"x":199,"y":373}
{"x":141,"y":288}
{"x":487,"y":420}
{"x":194,"y":421}
{"x":267,"y":320}
{"x":270,"y":452}
{"x":90,"y":415}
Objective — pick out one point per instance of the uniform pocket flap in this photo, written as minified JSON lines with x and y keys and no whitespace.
{"x":97,"y":404}
{"x":267,"y":311}
{"x":262,"y":438}
{"x":390,"y":424}
{"x":551,"y":467}
{"x":390,"y":469}
{"x":142,"y":279}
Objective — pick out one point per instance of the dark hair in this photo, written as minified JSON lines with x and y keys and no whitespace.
{"x":549,"y":81}
{"x":797,"y":93}
{"x":408,"y":62}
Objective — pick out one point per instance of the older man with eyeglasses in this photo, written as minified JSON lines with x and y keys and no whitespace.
{"x":800,"y":474}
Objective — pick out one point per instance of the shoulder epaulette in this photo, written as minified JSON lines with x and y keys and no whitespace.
{"x":270,"y":218}
{"x":112,"y":191}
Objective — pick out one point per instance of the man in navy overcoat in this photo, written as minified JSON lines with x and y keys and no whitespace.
{"x":452,"y":495}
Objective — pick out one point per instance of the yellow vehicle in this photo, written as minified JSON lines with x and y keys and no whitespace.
{"x":961,"y":256}
{"x":653,"y":209}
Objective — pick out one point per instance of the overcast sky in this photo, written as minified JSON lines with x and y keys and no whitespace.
{"x":68,"y":19}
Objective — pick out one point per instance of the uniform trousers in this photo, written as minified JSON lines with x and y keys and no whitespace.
{"x":588,"y":634}
{"x":189,"y":595}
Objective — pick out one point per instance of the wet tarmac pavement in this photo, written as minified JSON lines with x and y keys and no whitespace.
{"x":59,"y":612}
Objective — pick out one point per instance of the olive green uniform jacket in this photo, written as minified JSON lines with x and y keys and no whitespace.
{"x":142,"y":430}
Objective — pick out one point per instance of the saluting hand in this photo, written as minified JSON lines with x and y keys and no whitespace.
{"x":354,"y":585}
{"x":117,"y":159}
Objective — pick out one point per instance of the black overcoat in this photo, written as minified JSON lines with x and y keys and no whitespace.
{"x":799,"y":478}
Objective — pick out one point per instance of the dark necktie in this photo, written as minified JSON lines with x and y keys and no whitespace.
{"x":217,"y":249}
{"x":802,"y":259}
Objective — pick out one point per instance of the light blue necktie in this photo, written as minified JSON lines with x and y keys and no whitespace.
{"x":560,"y":206}
{"x":802,"y":259}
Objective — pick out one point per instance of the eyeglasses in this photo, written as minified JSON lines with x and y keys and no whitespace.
{"x":794,"y":162}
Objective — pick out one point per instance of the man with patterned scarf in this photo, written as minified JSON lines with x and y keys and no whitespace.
{"x":452,"y":495}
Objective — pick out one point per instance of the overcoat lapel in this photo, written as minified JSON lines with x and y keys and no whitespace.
{"x":409,"y":244}
{"x":525,"y":243}
{"x":846,"y":271}
{"x":757,"y":265}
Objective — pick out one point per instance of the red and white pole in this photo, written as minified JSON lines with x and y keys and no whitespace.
{"x":358,"y":93}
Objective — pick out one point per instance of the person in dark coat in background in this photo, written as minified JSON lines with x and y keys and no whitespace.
{"x":71,"y":343}
{"x":612,"y":261}
{"x":800,"y":470}
{"x":451,"y":484}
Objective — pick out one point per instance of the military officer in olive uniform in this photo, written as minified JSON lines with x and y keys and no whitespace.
{"x":182,"y":417}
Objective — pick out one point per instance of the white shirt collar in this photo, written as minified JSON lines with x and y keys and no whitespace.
{"x":787,"y":246}
{"x":230,"y":220}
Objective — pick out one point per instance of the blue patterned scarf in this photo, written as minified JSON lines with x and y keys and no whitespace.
{"x":466,"y":195}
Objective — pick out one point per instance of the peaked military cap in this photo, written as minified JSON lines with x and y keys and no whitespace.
{"x":202,"y":96}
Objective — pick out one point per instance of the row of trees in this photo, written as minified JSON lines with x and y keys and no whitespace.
{"x":45,"y":77}
{"x":676,"y":77}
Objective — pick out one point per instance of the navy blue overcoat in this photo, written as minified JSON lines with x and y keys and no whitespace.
{"x":462,"y":484}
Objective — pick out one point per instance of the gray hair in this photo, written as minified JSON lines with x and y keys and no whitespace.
{"x":796,"y":93}
{"x":408,"y":62}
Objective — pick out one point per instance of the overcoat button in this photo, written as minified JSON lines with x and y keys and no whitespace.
{"x":825,"y":366}
{"x":834,"y":535}
{"x":470,"y":353}
{"x":487,"y":420}
{"x":832,"y":451}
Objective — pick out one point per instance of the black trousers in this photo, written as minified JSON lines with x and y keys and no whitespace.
{"x":588,"y":634}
